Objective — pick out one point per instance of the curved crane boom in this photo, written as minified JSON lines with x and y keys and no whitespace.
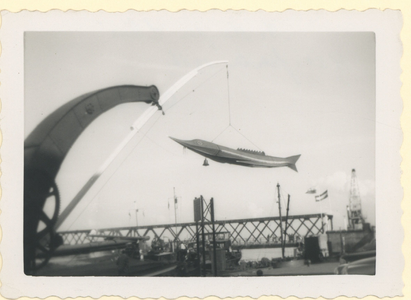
{"x":137,"y":125}
{"x":44,"y":151}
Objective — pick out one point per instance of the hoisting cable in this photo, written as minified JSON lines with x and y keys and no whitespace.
{"x":229,"y":108}
{"x":225,"y":128}
{"x":229,"y":115}
{"x":228,"y":96}
{"x":247,"y":138}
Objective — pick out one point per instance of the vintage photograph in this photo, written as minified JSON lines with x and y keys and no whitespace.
{"x":199,"y":153}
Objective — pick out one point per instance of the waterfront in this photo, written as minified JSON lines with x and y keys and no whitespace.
{"x":326,"y":268}
{"x":270,"y":253}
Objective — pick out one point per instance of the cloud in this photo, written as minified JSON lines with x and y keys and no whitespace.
{"x":340,"y":181}
{"x":255,"y":211}
{"x":367,"y":187}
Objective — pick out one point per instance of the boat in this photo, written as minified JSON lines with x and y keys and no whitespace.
{"x":114,"y":256}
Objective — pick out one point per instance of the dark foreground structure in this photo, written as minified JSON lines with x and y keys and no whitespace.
{"x":44,"y":151}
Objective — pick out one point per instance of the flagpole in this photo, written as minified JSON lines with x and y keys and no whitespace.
{"x":322,"y":219}
{"x":281,"y":220}
{"x":320,"y":198}
{"x":329,"y":202}
{"x":175,"y":210}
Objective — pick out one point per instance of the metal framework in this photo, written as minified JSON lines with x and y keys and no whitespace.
{"x":354,"y":211}
{"x":243,"y":232}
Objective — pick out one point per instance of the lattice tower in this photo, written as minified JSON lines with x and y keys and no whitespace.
{"x":355,"y":217}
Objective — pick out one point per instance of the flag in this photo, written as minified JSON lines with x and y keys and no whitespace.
{"x":322,"y":196}
{"x":311,"y":191}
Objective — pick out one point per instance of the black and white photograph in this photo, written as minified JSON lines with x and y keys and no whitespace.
{"x":196,"y":153}
{"x":279,"y":133}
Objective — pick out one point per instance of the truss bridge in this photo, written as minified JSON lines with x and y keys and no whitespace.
{"x":243,"y":233}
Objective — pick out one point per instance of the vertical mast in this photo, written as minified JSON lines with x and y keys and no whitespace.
{"x":286,"y":220}
{"x":281,"y":219}
{"x":175,"y":210}
{"x":322,"y":216}
{"x":355,"y":217}
{"x":203,"y":236}
{"x":214,"y":241}
{"x":136,"y":212}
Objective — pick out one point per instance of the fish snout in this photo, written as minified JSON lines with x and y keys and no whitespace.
{"x":187,"y":144}
{"x":181,"y":142}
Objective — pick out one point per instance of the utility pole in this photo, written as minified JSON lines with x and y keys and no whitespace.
{"x":286,"y":219}
{"x":281,"y":220}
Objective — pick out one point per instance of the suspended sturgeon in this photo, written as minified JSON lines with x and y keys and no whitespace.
{"x":242,"y":157}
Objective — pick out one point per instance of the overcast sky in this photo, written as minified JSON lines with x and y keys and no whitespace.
{"x":290,"y":93}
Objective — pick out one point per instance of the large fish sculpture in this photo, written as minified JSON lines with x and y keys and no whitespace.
{"x":242,"y":157}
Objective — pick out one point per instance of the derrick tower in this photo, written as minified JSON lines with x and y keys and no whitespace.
{"x":354,"y":213}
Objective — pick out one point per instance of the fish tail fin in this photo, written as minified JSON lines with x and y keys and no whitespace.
{"x":292,"y":166}
{"x":292,"y":160}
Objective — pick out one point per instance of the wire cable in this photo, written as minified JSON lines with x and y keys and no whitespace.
{"x":229,"y":114}
{"x":220,"y":133}
{"x":228,"y":96}
{"x":247,"y":138}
